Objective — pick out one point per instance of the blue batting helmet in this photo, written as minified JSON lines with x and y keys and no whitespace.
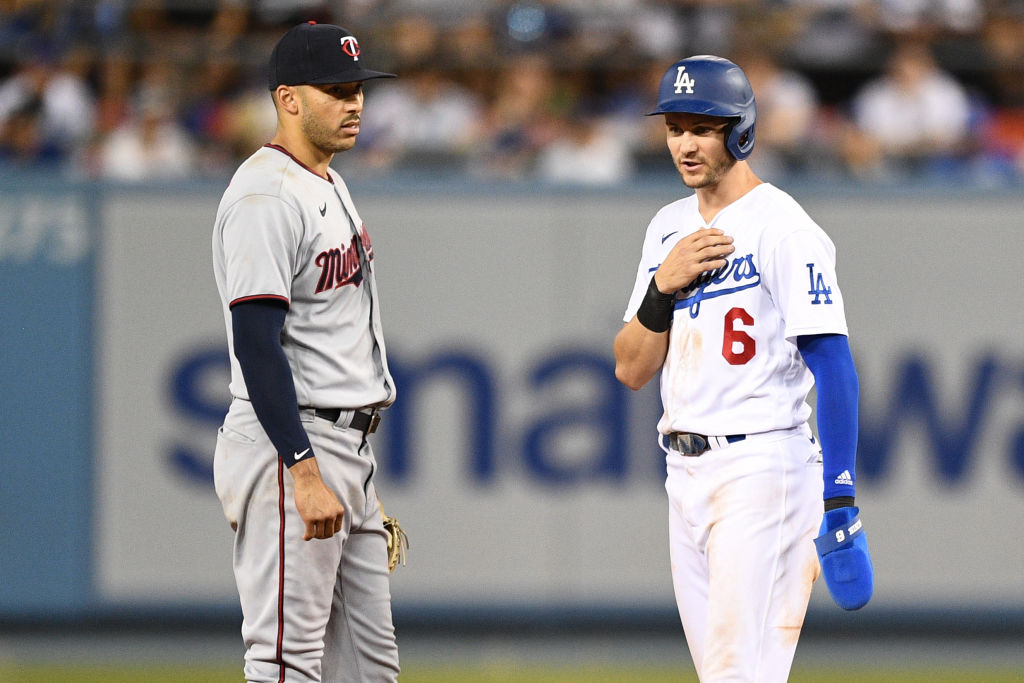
{"x":713,"y":86}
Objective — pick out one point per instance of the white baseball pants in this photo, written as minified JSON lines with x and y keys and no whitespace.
{"x":741,"y":525}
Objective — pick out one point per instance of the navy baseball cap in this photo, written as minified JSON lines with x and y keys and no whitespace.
{"x":318,"y":54}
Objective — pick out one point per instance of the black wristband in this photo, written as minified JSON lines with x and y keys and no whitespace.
{"x":655,"y":312}
{"x":838,"y":502}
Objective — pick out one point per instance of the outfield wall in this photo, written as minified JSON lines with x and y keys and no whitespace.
{"x":527,"y":477}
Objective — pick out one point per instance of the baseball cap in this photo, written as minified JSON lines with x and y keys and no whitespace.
{"x":312,"y":53}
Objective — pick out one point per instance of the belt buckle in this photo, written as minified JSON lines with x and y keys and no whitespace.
{"x":374,"y":422}
{"x":696,"y":444}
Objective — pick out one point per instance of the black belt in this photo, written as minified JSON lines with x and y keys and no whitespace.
{"x":688,"y":443}
{"x":365,"y":422}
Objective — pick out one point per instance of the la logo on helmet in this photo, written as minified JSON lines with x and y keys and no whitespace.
{"x":683,"y":80}
{"x":350,"y":46}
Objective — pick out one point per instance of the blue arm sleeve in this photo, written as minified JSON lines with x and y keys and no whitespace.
{"x":256,"y":331}
{"x":830,"y":361}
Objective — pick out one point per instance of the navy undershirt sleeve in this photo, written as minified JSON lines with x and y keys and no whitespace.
{"x":256,"y":331}
{"x":830,"y":361}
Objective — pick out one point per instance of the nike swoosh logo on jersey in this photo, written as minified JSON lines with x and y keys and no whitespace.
{"x":665,"y":237}
{"x":323,"y":209}
{"x":299,"y":456}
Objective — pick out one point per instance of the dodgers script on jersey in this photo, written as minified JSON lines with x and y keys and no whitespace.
{"x":732,"y":365}
{"x":284,"y":232}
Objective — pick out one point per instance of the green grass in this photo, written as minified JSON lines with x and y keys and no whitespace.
{"x":496,"y":673}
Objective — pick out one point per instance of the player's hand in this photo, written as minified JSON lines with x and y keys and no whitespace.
{"x":845,"y":560}
{"x":691,"y":257}
{"x":318,"y":507}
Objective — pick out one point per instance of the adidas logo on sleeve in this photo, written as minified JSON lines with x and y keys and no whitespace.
{"x":845,"y":478}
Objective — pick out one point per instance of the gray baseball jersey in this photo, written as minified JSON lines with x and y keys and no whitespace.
{"x":284,"y":232}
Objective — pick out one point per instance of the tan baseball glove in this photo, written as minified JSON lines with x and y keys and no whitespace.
{"x":398,"y":541}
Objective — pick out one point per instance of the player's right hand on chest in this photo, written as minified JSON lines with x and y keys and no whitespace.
{"x":697,"y":253}
{"x":318,"y":506}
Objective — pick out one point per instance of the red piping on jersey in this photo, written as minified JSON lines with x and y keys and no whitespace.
{"x":280,"y":571}
{"x":260,"y":297}
{"x":281,"y":149}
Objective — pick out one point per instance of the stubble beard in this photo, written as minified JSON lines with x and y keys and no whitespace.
{"x":323,"y":137}
{"x":714,"y":171}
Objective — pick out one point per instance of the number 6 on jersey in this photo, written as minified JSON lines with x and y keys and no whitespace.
{"x":738,"y":347}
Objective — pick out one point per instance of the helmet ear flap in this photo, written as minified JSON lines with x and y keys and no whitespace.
{"x":740,"y":143}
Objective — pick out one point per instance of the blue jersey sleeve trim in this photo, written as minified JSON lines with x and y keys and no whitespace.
{"x":830,"y":361}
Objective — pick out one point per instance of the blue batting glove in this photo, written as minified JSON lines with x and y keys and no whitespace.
{"x":845,"y":560}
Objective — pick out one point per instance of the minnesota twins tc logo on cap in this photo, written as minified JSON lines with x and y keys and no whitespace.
{"x":350,"y":46}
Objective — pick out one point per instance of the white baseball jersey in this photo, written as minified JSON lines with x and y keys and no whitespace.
{"x":284,"y":232}
{"x":732,"y":365}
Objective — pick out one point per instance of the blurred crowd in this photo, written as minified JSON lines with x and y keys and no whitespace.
{"x":548,"y":90}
